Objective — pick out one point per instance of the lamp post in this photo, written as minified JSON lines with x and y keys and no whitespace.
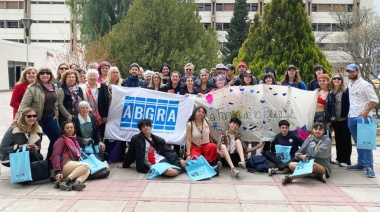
{"x":27,"y":22}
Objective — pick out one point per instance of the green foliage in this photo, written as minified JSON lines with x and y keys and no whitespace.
{"x":162,"y":31}
{"x":283,"y":37}
{"x":237,"y":32}
{"x":96,"y":18}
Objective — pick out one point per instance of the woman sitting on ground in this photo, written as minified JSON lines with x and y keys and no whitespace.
{"x":317,"y":147}
{"x":65,"y":159}
{"x":25,"y":131}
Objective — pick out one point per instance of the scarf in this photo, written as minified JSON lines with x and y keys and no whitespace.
{"x":92,"y":102}
{"x":74,"y":96}
{"x":48,"y":86}
{"x":73,"y":146}
{"x":132,"y":81}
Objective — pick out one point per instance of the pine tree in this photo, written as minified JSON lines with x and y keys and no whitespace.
{"x":237,"y":32}
{"x":284,"y":37}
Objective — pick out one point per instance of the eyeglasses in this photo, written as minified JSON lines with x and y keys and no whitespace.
{"x":156,"y":77}
{"x":31,"y":116}
{"x":64,"y":69}
{"x":322,"y":81}
{"x":337,"y":78}
{"x":45,"y":72}
{"x":188,"y":69}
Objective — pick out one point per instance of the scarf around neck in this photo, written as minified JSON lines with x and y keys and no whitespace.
{"x":74,"y":96}
{"x":73,"y":146}
{"x":132,"y":81}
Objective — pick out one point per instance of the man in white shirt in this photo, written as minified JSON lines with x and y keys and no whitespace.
{"x":362,"y":100}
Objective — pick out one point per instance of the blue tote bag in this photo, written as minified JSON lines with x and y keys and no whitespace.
{"x":94,"y":163}
{"x":304,"y":167}
{"x":20,"y":166}
{"x":366,"y":137}
{"x":158,"y":169}
{"x":199,"y":169}
{"x":283,"y":152}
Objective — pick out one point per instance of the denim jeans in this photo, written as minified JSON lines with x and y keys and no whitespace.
{"x":365,"y":156}
{"x":51,"y":129}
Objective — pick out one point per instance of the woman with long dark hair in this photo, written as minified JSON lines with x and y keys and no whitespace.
{"x":165,"y":71}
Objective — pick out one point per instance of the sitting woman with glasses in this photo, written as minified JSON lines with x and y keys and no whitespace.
{"x":42,"y":95}
{"x":25,"y":131}
{"x":61,"y":69}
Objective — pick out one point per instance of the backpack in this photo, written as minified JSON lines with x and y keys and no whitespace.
{"x":257,"y":163}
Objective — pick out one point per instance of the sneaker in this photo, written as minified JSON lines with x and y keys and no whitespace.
{"x":321,"y":177}
{"x":271,"y":171}
{"x":356,"y":167}
{"x":217,"y":168}
{"x":234,"y":172}
{"x":343,"y":164}
{"x":333,"y":161}
{"x":286,"y":179}
{"x":242,"y":165}
{"x":369,"y":172}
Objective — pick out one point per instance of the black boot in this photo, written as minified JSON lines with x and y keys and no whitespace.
{"x":56,"y":185}
{"x":64,"y":184}
{"x":77,"y":186}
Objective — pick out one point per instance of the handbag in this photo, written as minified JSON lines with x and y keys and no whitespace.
{"x":20,"y":166}
{"x":158,"y":169}
{"x":40,"y":169}
{"x":283,"y":152}
{"x":199,"y":169}
{"x":94,"y":163}
{"x":366,"y":137}
{"x":304,"y":168}
{"x":91,"y":148}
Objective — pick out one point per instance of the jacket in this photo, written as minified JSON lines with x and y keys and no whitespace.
{"x":136,"y":152}
{"x":65,"y":102}
{"x":141,"y":83}
{"x":345,"y":104}
{"x":60,"y":155}
{"x":17,"y":94}
{"x":103,"y":101}
{"x":95,"y":130}
{"x":14,"y":136}
{"x":35,"y":97}
{"x":330,"y":114}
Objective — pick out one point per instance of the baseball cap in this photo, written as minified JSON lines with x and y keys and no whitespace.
{"x":220,"y":65}
{"x":230,"y":67}
{"x":292,"y":66}
{"x":352,"y":67}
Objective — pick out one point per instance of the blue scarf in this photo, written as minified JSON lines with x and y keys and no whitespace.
{"x":132,"y":81}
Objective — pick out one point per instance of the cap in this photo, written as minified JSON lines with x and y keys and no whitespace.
{"x":292,"y":66}
{"x":220,"y":65}
{"x":134,"y":65}
{"x":352,"y":67}
{"x":248,"y":72}
{"x":243,"y":64}
{"x":230,"y":67}
{"x":317,"y":67}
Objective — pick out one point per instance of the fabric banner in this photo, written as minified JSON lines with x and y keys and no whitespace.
{"x":260,"y":108}
{"x":169,"y":114}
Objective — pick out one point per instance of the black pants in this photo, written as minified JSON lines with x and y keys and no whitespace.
{"x":271,"y":156}
{"x":343,"y":141}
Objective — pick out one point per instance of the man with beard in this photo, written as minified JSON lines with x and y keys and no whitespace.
{"x":133,"y":79}
{"x":362,"y":100}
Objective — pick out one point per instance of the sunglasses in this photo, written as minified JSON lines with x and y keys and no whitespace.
{"x":64,"y":69}
{"x":220,"y":69}
{"x":337,"y":78}
{"x":31,"y":116}
{"x":45,"y":72}
{"x":189,"y":69}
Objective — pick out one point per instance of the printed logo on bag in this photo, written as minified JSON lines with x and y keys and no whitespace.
{"x":162,"y":112}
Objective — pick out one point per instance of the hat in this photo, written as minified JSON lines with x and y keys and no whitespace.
{"x":230,"y":67}
{"x":317,"y":67}
{"x":243,"y":64}
{"x":134,"y":65}
{"x":220,"y":65}
{"x":292,"y":66}
{"x":352,"y":67}
{"x":248,"y":72}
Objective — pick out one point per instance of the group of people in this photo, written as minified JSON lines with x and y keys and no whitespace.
{"x":72,"y":109}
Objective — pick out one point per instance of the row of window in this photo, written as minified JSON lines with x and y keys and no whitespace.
{"x":47,"y":2}
{"x":18,"y":24}
{"x":331,"y":7}
{"x":333,"y":46}
{"x":22,"y":4}
{"x":39,"y":41}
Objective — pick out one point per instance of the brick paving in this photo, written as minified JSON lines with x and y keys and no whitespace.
{"x":127,"y":190}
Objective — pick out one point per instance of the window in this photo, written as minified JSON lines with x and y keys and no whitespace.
{"x":58,"y":22}
{"x":219,"y":7}
{"x":200,"y":7}
{"x":1,"y":24}
{"x":44,"y":22}
{"x":229,"y":7}
{"x":207,"y":25}
{"x":349,"y":7}
{"x":12,"y":24}
{"x":11,"y":4}
{"x":226,"y":26}
{"x":336,"y":28}
{"x":254,"y":7}
{"x":57,"y":41}
{"x":324,"y":8}
{"x":58,"y":2}
{"x":2,"y":5}
{"x":44,"y":41}
{"x":324,"y":27}
{"x":248,"y":7}
{"x":219,"y":26}
{"x":314,"y":8}
{"x":44,"y":2}
{"x":207,"y":7}
{"x":314,"y":27}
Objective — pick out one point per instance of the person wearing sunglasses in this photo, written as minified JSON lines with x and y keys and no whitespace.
{"x":189,"y":71}
{"x":61,"y":69}
{"x":42,"y":95}
{"x":342,"y":132}
{"x":25,"y":131}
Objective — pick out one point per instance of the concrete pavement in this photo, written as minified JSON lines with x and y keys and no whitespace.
{"x":127,"y":190}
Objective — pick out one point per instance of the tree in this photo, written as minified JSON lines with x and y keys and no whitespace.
{"x":161,"y":31}
{"x":284,"y":37}
{"x":237,"y":32}
{"x":96,"y":18}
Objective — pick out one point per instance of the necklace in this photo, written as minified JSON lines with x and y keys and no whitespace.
{"x":200,"y":129}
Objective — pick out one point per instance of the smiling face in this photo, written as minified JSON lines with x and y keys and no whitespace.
{"x":189,"y":82}
{"x":247,"y":79}
{"x":68,"y":129}
{"x":174,"y":78}
{"x":104,"y":70}
{"x":353,"y":75}
{"x":189,"y":70}
{"x":219,"y":82}
{"x":323,"y":83}
{"x":292,"y":73}
{"x":44,"y":76}
{"x":115,"y":74}
{"x":84,"y":110}
{"x":233,"y":126}
{"x":70,"y":80}
{"x":134,"y":71}
{"x":319,"y":71}
{"x":31,"y":75}
{"x":92,"y":78}
{"x":200,"y":114}
{"x":165,"y":71}
{"x":156,"y":79}
{"x":204,"y":77}
{"x":30,"y":118}
{"x":337,"y":80}
{"x":318,"y":132}
{"x":284,"y":130}
{"x":268,"y":81}
{"x":148,"y":78}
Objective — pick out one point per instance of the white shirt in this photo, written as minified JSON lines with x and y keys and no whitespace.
{"x":361,"y":93}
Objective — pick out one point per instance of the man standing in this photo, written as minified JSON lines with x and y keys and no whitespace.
{"x":189,"y":71}
{"x":242,"y":68}
{"x":133,"y":79}
{"x":313,"y":84}
{"x":230,"y":75}
{"x":362,"y":100}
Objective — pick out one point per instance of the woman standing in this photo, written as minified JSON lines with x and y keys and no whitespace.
{"x":61,"y":69}
{"x":325,"y":98}
{"x":25,"y":131}
{"x":269,"y":80}
{"x":341,"y":130}
{"x":188,"y":87}
{"x":69,"y":96}
{"x":103,"y":69}
{"x":204,"y":84}
{"x":156,"y":83}
{"x":91,"y":92}
{"x":247,"y":79}
{"x":174,"y":84}
{"x":165,"y":71}
{"x":42,"y":96}
{"x":27,"y":77}
{"x":65,"y":159}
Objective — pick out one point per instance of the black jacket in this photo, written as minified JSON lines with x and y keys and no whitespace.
{"x":67,"y":101}
{"x":330,"y":114}
{"x":345,"y":104}
{"x":95,"y":131}
{"x":136,"y":152}
{"x":103,"y":101}
{"x":313,"y":84}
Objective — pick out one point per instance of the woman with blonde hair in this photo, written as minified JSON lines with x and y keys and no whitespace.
{"x":27,"y":77}
{"x":157,"y":83}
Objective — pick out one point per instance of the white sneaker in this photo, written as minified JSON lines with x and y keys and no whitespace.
{"x":234,"y":172}
{"x":343,"y":164}
{"x":242,"y":165}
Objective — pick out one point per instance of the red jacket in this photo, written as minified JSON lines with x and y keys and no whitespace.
{"x":17,"y":94}
{"x":60,"y":154}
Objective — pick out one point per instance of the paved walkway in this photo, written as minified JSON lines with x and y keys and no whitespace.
{"x":127,"y":190}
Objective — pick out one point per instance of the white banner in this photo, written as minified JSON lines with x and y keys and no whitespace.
{"x":261,"y":107}
{"x":169,"y":114}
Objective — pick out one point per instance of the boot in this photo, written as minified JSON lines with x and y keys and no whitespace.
{"x":64,"y":184}
{"x":77,"y":186}
{"x":56,"y":185}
